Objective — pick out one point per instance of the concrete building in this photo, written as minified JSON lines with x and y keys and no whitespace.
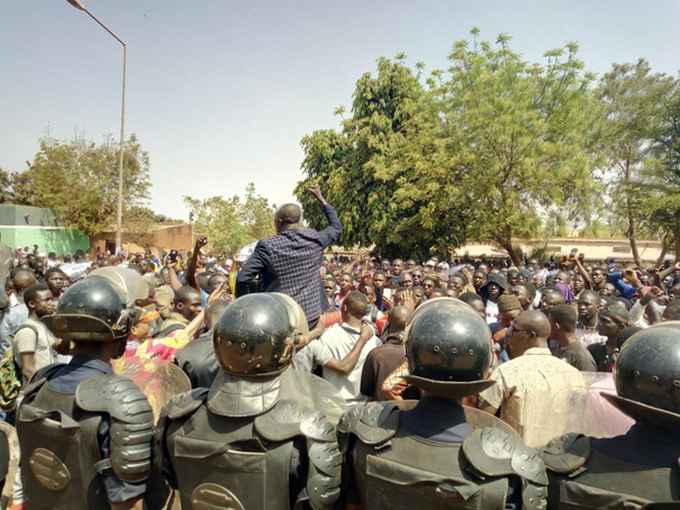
{"x":22,"y":226}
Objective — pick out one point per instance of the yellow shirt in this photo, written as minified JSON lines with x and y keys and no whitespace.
{"x":538,"y":394}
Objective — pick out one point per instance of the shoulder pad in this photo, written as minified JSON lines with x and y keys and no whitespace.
{"x":39,"y":378}
{"x":373,"y":423}
{"x":33,"y":387}
{"x":281,"y":422}
{"x":115,"y":395}
{"x":132,"y":422}
{"x":494,"y":452}
{"x":567,"y":453}
{"x":185,"y":403}
{"x":376,"y":422}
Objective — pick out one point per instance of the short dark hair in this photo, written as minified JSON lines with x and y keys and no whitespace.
{"x":52,"y":271}
{"x":470,"y":297}
{"x":565,"y":316}
{"x":289,"y":214}
{"x":185,"y":293}
{"x":31,"y":293}
{"x":589,"y":292}
{"x":357,"y":303}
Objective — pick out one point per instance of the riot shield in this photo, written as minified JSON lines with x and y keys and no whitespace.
{"x":159,"y":381}
{"x":479,"y":419}
{"x":600,"y":418}
{"x":129,"y":282}
{"x":575,"y":408}
{"x":313,"y":392}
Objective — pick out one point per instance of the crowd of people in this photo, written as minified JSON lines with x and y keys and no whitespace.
{"x":520,"y":345}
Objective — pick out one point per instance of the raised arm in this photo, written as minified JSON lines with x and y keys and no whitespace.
{"x":332,"y":232}
{"x":193,"y":262}
{"x":254,"y":266}
{"x":584,"y":273}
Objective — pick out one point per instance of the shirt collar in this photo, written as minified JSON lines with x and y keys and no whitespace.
{"x":537,"y":351}
{"x":350,"y":329}
{"x":93,"y":363}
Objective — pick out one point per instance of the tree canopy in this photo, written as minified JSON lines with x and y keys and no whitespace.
{"x":231,"y":223}
{"x":479,"y":151}
{"x":79,"y":181}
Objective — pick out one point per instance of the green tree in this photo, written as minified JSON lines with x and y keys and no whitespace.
{"x":483,"y":150}
{"x":6,"y":191}
{"x":523,"y":134}
{"x":634,"y":99}
{"x":231,"y":223}
{"x":663,"y":200}
{"x":79,"y":181}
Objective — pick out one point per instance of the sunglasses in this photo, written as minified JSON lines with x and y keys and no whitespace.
{"x":428,"y":285}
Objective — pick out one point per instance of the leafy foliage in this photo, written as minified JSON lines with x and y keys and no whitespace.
{"x":231,"y":223}
{"x":480,"y":150}
{"x":634,"y":100}
{"x":79,"y":181}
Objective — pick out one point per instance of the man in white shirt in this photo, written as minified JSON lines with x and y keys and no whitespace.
{"x":343,"y":348}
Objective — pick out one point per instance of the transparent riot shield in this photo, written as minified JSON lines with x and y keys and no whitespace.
{"x":599,"y":418}
{"x":313,"y":392}
{"x":159,"y":381}
{"x":130,"y":283}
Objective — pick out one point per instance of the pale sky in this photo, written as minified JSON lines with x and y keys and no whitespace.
{"x":220,"y":92}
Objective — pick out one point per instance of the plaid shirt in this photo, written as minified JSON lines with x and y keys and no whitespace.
{"x":289,"y":262}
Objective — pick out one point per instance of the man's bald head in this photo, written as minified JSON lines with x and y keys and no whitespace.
{"x":398,"y":317}
{"x":213,"y":313}
{"x":287,"y":215}
{"x":535,"y":322}
{"x":23,"y":279}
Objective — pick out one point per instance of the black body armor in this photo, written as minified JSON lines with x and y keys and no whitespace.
{"x":60,"y":450}
{"x":245,"y":462}
{"x":584,"y":478}
{"x":399,"y":471}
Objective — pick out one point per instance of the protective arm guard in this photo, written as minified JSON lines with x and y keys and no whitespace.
{"x":496,"y":453}
{"x":131,"y":424}
{"x":325,"y":462}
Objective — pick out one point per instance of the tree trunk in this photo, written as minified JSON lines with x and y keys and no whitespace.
{"x":630,"y":233}
{"x":664,"y":250}
{"x":515,"y":252}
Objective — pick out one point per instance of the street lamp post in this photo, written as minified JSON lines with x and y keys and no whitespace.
{"x":119,"y":217}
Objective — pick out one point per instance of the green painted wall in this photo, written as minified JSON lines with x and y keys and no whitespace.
{"x":25,"y":226}
{"x":59,"y":240}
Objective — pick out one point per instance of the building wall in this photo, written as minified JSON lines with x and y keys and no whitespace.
{"x":22,"y":225}
{"x":163,"y":238}
{"x":60,"y":240}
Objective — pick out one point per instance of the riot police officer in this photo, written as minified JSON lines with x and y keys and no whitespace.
{"x":434,"y":455}
{"x":85,"y":433}
{"x":249,"y":441}
{"x":638,"y":468}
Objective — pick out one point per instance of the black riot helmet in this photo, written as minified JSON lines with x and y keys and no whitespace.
{"x":647,"y":375}
{"x":448,"y":347}
{"x":90,"y":310}
{"x":254,"y":336}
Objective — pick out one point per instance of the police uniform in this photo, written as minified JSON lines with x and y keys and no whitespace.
{"x":432,"y":456}
{"x":198,"y":361}
{"x":85,"y":434}
{"x":248,"y":442}
{"x":640,"y":468}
